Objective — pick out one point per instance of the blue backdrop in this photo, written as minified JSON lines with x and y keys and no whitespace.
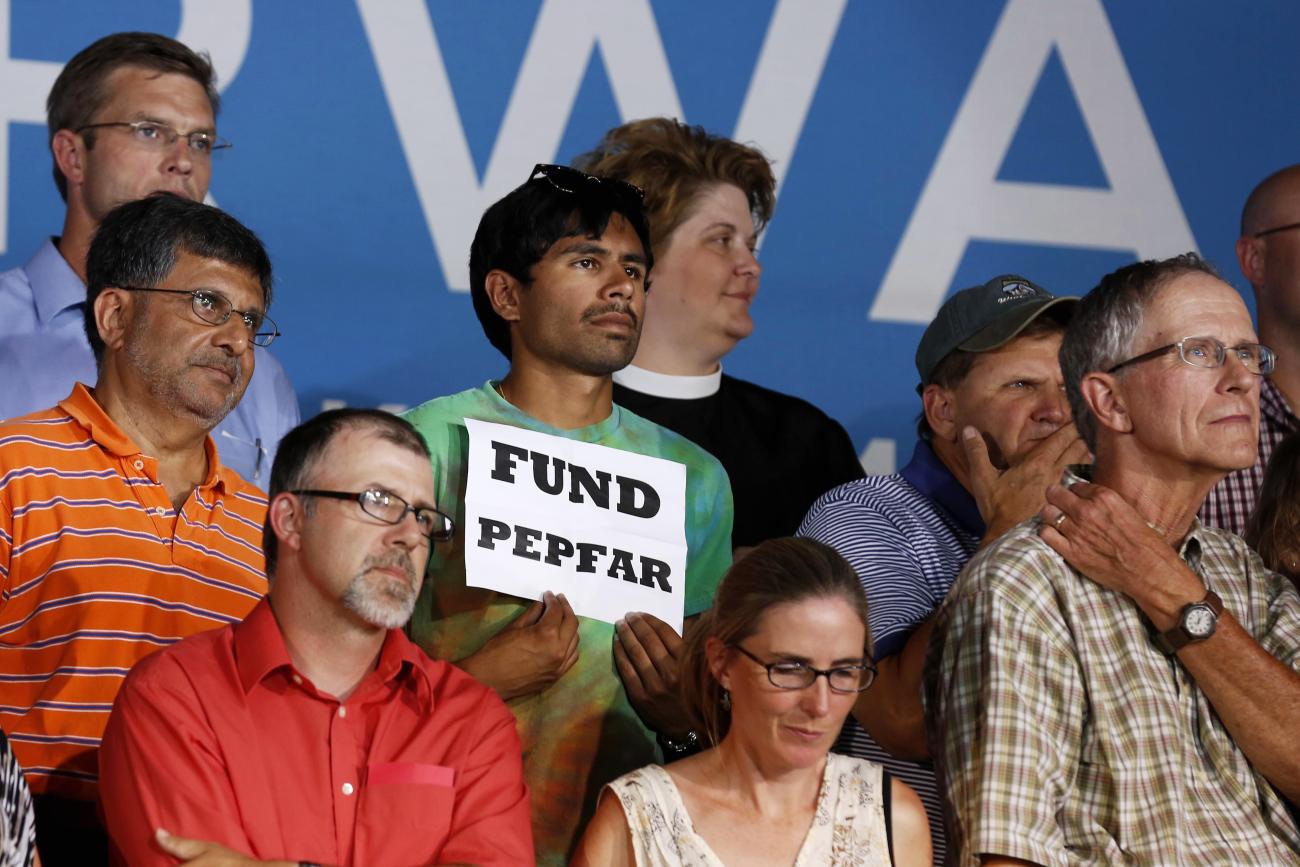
{"x":921,"y":148}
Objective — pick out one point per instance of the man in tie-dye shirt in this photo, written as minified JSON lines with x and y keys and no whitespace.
{"x":558,"y":274}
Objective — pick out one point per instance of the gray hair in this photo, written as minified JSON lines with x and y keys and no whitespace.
{"x":1107,"y":321}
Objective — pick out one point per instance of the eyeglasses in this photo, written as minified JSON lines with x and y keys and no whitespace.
{"x":215,"y":309}
{"x":786,"y":674}
{"x":1208,"y":352}
{"x":1288,"y":227}
{"x":574,"y":182}
{"x":157,"y":136}
{"x":392,"y":509}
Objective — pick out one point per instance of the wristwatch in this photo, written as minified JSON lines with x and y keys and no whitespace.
{"x":1197,"y":622}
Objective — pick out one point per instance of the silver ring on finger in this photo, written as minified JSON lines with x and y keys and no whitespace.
{"x":1060,"y":519}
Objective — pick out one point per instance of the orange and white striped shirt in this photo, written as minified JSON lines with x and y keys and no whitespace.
{"x":97,"y":570}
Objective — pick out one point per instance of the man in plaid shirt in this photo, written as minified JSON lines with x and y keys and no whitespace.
{"x":1268,"y":252}
{"x":1115,"y":682}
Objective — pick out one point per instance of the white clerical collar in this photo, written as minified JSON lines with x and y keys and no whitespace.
{"x":668,"y":385}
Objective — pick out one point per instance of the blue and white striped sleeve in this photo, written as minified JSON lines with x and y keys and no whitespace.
{"x":879,"y":550}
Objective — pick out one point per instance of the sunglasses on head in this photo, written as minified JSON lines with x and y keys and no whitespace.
{"x":576,"y":183}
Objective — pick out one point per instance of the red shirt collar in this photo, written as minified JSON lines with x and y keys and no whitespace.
{"x":260,"y":652}
{"x":83,"y":407}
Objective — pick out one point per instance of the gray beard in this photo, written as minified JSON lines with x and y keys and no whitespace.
{"x":378,"y":599}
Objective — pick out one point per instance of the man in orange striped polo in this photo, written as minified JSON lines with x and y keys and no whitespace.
{"x":120,"y":530}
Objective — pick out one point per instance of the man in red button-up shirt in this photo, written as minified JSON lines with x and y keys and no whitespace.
{"x":314,"y":731}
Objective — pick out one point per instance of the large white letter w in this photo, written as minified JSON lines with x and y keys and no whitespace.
{"x":567,"y":32}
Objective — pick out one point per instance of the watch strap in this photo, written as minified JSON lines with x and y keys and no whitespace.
{"x":1173,"y":640}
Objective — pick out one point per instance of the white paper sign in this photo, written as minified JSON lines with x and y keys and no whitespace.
{"x":605,"y":527}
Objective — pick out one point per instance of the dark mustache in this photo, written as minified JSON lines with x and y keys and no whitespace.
{"x":594,"y":312}
{"x":222,"y":362}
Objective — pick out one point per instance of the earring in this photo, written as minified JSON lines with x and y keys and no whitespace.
{"x":726,"y":700}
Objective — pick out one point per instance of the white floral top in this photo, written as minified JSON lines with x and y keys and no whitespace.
{"x":848,"y":828}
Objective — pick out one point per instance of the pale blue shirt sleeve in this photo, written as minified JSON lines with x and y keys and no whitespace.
{"x":43,"y":345}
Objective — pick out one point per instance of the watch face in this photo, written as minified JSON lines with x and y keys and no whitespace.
{"x":1199,"y":621}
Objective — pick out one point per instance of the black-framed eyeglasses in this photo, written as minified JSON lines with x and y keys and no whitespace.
{"x":575,"y":182}
{"x":788,"y":674}
{"x":392,"y":509}
{"x":157,"y":136}
{"x":215,"y":309}
{"x":1273,"y":231}
{"x":1208,"y":352}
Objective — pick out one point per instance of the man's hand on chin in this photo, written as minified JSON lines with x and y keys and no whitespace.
{"x":1007,"y":497}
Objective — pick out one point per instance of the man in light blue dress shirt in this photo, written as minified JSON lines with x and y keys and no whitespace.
{"x":132,"y":114}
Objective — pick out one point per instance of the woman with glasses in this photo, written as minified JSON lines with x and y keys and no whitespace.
{"x":769,"y":673}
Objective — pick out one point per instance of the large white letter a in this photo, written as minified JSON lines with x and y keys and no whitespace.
{"x":963,"y":199}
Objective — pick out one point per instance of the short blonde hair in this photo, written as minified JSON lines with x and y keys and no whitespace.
{"x":674,"y":164}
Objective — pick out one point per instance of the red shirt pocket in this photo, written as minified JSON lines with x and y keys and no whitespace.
{"x":405,"y":813}
{"x":382,"y":773}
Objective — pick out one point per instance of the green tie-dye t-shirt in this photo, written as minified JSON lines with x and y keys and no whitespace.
{"x":580,"y":733}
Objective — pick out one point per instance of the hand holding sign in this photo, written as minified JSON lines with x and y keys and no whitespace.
{"x":648,"y":654}
{"x":531,"y":653}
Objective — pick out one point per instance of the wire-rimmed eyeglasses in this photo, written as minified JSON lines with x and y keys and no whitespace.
{"x":156,"y":136}
{"x":215,"y":309}
{"x":1209,"y":352}
{"x":1273,"y":231}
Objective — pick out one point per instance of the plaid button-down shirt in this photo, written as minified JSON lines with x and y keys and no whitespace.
{"x":1064,"y":736}
{"x":1232,"y":500}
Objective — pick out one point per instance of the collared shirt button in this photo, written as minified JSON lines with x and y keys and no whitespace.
{"x":297,"y":678}
{"x":347,"y":788}
{"x":342,"y":711}
{"x":139,"y":464}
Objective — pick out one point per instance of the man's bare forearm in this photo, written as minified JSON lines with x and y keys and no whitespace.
{"x":891,"y":710}
{"x":1255,"y":695}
